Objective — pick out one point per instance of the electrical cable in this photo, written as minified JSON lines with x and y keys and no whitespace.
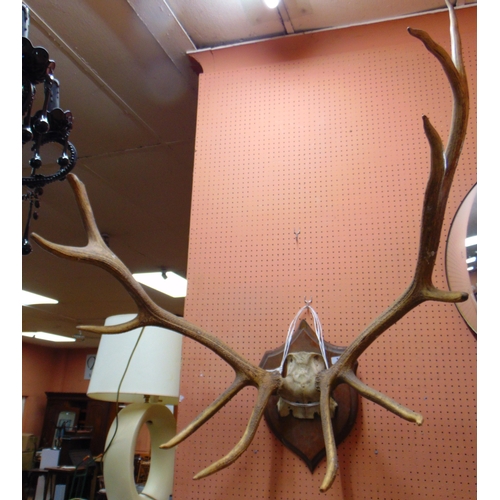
{"x":118,"y":390}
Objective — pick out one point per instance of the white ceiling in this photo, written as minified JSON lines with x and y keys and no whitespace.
{"x":126,"y":77}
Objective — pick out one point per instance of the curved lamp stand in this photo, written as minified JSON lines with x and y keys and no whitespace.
{"x":119,"y":458}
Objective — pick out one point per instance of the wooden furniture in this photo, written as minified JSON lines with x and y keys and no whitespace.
{"x":92,"y":421}
{"x":101,"y":492}
{"x":32,"y":481}
{"x":55,"y":476}
{"x":143,"y":471}
{"x":78,"y":481}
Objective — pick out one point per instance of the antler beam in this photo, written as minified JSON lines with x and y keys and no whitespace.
{"x":96,"y":252}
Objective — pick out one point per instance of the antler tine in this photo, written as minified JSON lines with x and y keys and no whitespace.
{"x":332,"y":460}
{"x":120,"y":328}
{"x":443,"y":166}
{"x":206,"y":414}
{"x":96,"y":252}
{"x":265,"y":392}
{"x":88,"y":220}
{"x":454,"y":69}
{"x":384,"y":401}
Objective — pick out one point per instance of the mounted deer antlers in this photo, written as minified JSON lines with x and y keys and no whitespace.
{"x":443,"y":165}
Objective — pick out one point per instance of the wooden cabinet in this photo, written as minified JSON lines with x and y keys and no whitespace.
{"x":92,"y":417}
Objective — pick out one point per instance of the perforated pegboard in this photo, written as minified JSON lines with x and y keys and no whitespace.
{"x":322,"y":134}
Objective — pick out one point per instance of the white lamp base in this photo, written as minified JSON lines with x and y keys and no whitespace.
{"x":119,"y":458}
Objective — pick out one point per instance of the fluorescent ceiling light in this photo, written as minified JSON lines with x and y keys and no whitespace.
{"x":174,"y":285}
{"x":470,"y":268}
{"x":30,"y":298}
{"x":470,"y":260}
{"x":471,"y":241}
{"x":51,"y":337}
{"x":271,"y":3}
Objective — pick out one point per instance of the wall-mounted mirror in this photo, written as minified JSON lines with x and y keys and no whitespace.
{"x":461,"y":257}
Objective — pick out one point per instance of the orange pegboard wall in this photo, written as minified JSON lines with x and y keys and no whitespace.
{"x":322,"y":133}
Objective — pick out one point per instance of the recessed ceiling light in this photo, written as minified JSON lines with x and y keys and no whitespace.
{"x":271,"y":3}
{"x":174,"y":285}
{"x":51,"y":337}
{"x":30,"y":298}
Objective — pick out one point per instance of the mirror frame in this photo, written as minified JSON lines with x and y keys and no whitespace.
{"x":456,"y":254}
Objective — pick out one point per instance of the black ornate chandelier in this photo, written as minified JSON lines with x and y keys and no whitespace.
{"x":48,"y":125}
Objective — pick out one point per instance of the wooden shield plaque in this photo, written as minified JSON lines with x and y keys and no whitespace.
{"x":305,"y":436}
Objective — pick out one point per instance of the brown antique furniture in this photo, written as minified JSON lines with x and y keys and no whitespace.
{"x":93,"y":419}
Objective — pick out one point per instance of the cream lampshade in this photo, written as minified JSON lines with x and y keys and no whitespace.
{"x":145,"y":373}
{"x":154,"y":368}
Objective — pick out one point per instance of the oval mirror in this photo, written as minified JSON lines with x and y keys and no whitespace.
{"x":461,"y":257}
